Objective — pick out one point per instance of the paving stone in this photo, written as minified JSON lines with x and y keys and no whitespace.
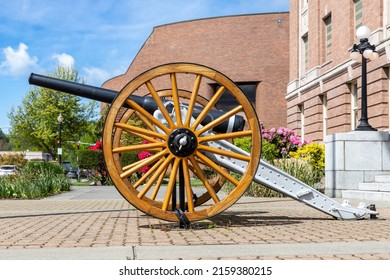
{"x":51,"y":223}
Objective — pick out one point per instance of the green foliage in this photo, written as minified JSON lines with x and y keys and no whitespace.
{"x":129,"y":158}
{"x":243,"y":143}
{"x":254,"y":189}
{"x":4,"y":142}
{"x":269,"y":151}
{"x":258,"y":190}
{"x":34,"y":123}
{"x":130,"y":139}
{"x":40,"y":167}
{"x":94,"y":160}
{"x":13,"y":159}
{"x":90,"y":159}
{"x":313,"y":154}
{"x":299,"y":169}
{"x":278,"y":145}
{"x":36,"y":180}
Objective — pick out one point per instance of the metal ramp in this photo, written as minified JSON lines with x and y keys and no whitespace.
{"x":278,"y":180}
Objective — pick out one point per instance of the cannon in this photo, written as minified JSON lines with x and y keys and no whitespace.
{"x":189,"y":144}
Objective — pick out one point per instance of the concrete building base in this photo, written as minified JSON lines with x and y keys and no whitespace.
{"x":355,"y":158}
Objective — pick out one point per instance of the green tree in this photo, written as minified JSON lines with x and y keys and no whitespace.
{"x":34,"y":123}
{"x":4,"y":142}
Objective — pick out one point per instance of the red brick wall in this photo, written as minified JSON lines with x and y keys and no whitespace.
{"x":248,"y":48}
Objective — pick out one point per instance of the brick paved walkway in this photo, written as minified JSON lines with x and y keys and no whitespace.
{"x":93,"y":223}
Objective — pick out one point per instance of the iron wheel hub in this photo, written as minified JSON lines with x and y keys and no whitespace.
{"x":182,"y":142}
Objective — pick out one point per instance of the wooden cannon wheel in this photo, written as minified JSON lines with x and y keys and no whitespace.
{"x":217,"y":181}
{"x":155,"y":192}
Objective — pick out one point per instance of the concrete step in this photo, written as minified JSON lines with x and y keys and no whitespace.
{"x":382,"y":179}
{"x":369,"y":196}
{"x":379,"y":187}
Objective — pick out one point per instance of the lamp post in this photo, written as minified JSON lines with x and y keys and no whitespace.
{"x":60,"y":119}
{"x":360,"y":53}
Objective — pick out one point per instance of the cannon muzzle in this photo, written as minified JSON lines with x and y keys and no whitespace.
{"x":234,"y":123}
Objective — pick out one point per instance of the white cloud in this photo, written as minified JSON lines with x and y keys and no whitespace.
{"x":96,"y":76}
{"x":18,"y":61}
{"x":64,"y":60}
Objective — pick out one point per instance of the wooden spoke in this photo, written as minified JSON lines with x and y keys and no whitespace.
{"x":143,"y":163}
{"x":140,"y":131}
{"x":149,"y":172}
{"x":201,"y":176}
{"x":143,"y":147}
{"x":224,"y":153}
{"x":147,"y":138}
{"x":176,"y":101}
{"x":191,"y":105}
{"x":160,"y":105}
{"x":161,"y":170}
{"x":208,"y":107}
{"x":217,"y":168}
{"x":171,"y":184}
{"x":218,"y":120}
{"x":131,"y":165}
{"x":158,"y":185}
{"x":215,"y":137}
{"x":148,"y":116}
{"x":147,"y":122}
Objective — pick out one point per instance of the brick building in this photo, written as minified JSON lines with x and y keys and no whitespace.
{"x":252,"y":50}
{"x":323,"y":95}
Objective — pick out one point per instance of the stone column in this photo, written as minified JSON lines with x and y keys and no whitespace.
{"x":355,"y":157}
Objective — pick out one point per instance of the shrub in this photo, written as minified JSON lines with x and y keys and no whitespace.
{"x":243,"y":143}
{"x":94,"y":159}
{"x":13,"y":159}
{"x":299,"y":169}
{"x":314,"y":154}
{"x":129,"y":158}
{"x":254,"y":189}
{"x":284,"y":139}
{"x":269,"y":151}
{"x":278,"y":145}
{"x":41,"y":167}
{"x":258,"y":190}
{"x":36,"y":180}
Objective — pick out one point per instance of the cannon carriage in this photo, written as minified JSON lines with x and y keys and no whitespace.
{"x":188,"y":139}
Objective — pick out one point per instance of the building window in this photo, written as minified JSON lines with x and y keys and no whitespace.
{"x":354,"y":106}
{"x":324,"y":101}
{"x":301,"y":112}
{"x":358,"y":8}
{"x":227,"y":102}
{"x":305,"y":53}
{"x":328,"y":37}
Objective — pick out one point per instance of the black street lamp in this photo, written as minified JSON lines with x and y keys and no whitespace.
{"x":360,"y":53}
{"x":60,"y":119}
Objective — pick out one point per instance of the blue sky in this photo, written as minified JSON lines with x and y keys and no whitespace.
{"x":100,"y":38}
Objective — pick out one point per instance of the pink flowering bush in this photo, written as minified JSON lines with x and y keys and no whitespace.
{"x":284,"y":139}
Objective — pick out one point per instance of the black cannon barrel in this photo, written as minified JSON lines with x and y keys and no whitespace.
{"x":234,"y":123}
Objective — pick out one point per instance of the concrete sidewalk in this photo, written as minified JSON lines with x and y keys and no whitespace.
{"x":97,"y":223}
